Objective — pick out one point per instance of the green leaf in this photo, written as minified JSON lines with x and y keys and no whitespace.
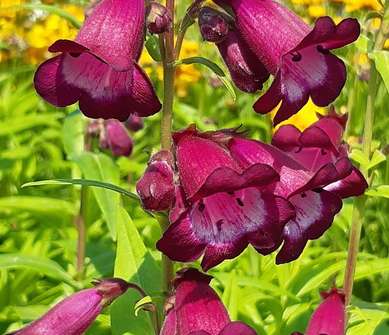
{"x":43,"y":205}
{"x":83,"y":182}
{"x":141,"y":304}
{"x":152,"y":46}
{"x":377,"y":158}
{"x":73,"y":134}
{"x":43,"y":266}
{"x":134,"y":264}
{"x":203,"y":61}
{"x":381,"y":59}
{"x":379,"y":191}
{"x":229,"y":87}
{"x":101,"y":168}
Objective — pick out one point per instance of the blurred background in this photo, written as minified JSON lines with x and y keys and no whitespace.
{"x":38,"y":235}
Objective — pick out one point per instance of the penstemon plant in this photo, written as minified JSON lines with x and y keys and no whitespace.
{"x":219,"y":192}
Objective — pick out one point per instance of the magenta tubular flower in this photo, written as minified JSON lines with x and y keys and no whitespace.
{"x":246,"y":72}
{"x":156,"y":188}
{"x":116,"y":138}
{"x":220,"y":207}
{"x":319,"y":147}
{"x":197,"y":309}
{"x":99,"y":68}
{"x":329,"y":317}
{"x":315,"y":207}
{"x":299,"y":57}
{"x":73,"y":315}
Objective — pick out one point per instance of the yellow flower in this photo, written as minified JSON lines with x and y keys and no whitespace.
{"x":316,"y":11}
{"x":9,"y":12}
{"x":304,"y":118}
{"x":353,"y":5}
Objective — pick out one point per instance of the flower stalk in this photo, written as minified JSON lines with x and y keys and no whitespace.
{"x":168,"y":58}
{"x":360,"y":203}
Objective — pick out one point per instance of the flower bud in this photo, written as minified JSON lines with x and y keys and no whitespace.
{"x":213,"y":25}
{"x":158,"y":18}
{"x":156,"y":187}
{"x":73,"y":315}
{"x":116,"y":138}
{"x":134,"y":123}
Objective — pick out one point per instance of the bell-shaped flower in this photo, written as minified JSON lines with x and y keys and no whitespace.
{"x":115,"y":137}
{"x":320,"y":147}
{"x":73,"y":315}
{"x":220,"y":206}
{"x":298,"y":56}
{"x":329,"y":317}
{"x":99,"y":69}
{"x":156,"y":188}
{"x":197,"y":309}
{"x":246,"y":72}
{"x":158,"y":18}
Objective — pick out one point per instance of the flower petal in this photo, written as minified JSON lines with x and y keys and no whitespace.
{"x":237,"y":328}
{"x":114,"y":31}
{"x":353,"y":185}
{"x":315,"y":212}
{"x":51,"y":85}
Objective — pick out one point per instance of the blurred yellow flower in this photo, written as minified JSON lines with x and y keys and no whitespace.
{"x":9,"y":12}
{"x":316,"y":11}
{"x":353,"y":5}
{"x":186,"y":75}
{"x":304,"y":118}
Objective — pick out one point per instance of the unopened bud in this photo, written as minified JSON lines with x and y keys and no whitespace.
{"x":213,"y":25}
{"x":156,"y":187}
{"x":158,"y":18}
{"x":134,"y":123}
{"x":116,"y":138}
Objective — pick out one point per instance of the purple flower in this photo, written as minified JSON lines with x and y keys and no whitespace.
{"x":299,"y":57}
{"x":134,"y":123}
{"x":315,"y":208}
{"x":246,"y":72}
{"x":158,"y":18}
{"x":156,"y":188}
{"x":220,"y":206}
{"x":320,"y":147}
{"x":73,"y":315}
{"x":197,"y":310}
{"x":116,"y":138}
{"x":329,"y":317}
{"x":99,"y":68}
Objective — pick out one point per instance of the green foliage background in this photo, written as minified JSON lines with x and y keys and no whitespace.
{"x":37,"y":224}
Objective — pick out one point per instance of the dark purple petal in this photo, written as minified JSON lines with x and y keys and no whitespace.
{"x":287,"y":138}
{"x":247,"y":72}
{"x":117,"y":138}
{"x":180,"y":243}
{"x":214,"y":25}
{"x":222,"y":225}
{"x":53,"y":87}
{"x":114,"y":32}
{"x":303,"y":73}
{"x":237,"y":328}
{"x":158,"y":18}
{"x":329,"y":317}
{"x":315,"y":212}
{"x":180,"y":205}
{"x":156,"y":188}
{"x":353,"y":185}
{"x":134,"y":123}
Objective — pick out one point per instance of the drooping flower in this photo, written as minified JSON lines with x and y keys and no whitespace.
{"x":329,"y":317}
{"x":73,"y":315}
{"x":315,"y":207}
{"x":99,"y":69}
{"x":156,"y":188}
{"x":299,"y":57}
{"x":116,"y":138}
{"x":320,"y":146}
{"x":220,"y":206}
{"x":197,"y":310}
{"x":246,"y":72}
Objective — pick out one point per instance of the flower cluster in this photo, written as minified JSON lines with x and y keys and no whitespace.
{"x":231,"y":191}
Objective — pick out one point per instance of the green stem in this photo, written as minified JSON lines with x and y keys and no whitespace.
{"x":166,"y":121}
{"x":360,"y":203}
